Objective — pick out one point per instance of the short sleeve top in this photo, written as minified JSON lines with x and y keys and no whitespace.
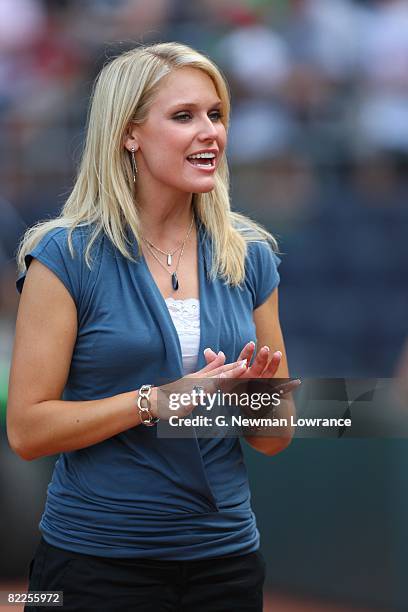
{"x":125,"y":496}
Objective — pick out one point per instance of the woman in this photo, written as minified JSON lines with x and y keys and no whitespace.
{"x":145,"y":267}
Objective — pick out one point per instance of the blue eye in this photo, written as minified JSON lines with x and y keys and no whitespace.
{"x":215,"y":115}
{"x":182,"y":117}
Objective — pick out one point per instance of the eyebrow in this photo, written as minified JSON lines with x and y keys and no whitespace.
{"x":192,"y":105}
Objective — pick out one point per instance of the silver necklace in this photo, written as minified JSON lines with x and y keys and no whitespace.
{"x":169,"y":255}
{"x":174,"y":277}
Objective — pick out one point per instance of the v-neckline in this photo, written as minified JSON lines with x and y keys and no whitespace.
{"x":162,"y":300}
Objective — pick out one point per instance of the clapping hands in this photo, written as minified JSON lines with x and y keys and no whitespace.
{"x":217,"y":374}
{"x":262,"y":366}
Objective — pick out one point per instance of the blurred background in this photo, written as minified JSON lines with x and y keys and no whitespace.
{"x":318,"y":152}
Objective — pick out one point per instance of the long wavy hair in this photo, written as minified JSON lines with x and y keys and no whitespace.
{"x":103,"y":195}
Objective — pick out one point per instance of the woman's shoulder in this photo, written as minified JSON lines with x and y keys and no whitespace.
{"x":65,"y":236}
{"x":261,"y":246}
{"x":63,"y":250}
{"x":261,"y":251}
{"x":78,"y":245}
{"x":261,"y":270}
{"x":261,"y":260}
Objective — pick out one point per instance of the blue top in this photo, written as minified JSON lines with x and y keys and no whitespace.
{"x":137,"y":494}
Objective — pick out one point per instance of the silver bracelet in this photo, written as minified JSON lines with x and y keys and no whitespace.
{"x":198,"y":389}
{"x":143,"y":404}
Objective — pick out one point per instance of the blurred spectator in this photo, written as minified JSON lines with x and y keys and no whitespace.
{"x":21,"y":24}
{"x":323,"y":35}
{"x":11,"y":229}
{"x":260,"y":125}
{"x":383,"y":108}
{"x":130,"y":21}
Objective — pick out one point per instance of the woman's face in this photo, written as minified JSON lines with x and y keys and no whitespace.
{"x":184,"y":120}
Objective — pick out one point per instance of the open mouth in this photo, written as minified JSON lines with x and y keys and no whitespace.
{"x":202,"y":160}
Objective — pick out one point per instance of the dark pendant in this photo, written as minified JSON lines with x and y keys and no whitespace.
{"x":174,"y":281}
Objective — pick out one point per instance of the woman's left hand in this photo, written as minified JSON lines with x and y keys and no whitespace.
{"x":261,"y":367}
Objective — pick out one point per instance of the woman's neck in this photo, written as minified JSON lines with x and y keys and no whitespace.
{"x":166,"y":221}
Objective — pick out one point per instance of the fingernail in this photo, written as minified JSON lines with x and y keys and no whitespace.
{"x":265,"y":349}
{"x":220,"y":353}
{"x":243,"y":363}
{"x":278,"y":354}
{"x":251,"y":343}
{"x":206,"y":350}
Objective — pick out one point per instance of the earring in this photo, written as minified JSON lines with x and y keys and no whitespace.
{"x":134,"y":166}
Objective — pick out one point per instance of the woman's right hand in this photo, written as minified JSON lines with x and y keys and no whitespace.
{"x":211,"y":377}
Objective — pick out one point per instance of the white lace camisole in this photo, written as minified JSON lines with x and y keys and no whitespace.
{"x":186,"y":318}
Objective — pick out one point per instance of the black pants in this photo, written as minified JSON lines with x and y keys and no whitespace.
{"x":224,"y":584}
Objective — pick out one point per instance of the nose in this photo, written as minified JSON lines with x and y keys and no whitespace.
{"x":208,"y":130}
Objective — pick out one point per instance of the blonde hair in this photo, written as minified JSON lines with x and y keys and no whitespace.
{"x":103,"y":194}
